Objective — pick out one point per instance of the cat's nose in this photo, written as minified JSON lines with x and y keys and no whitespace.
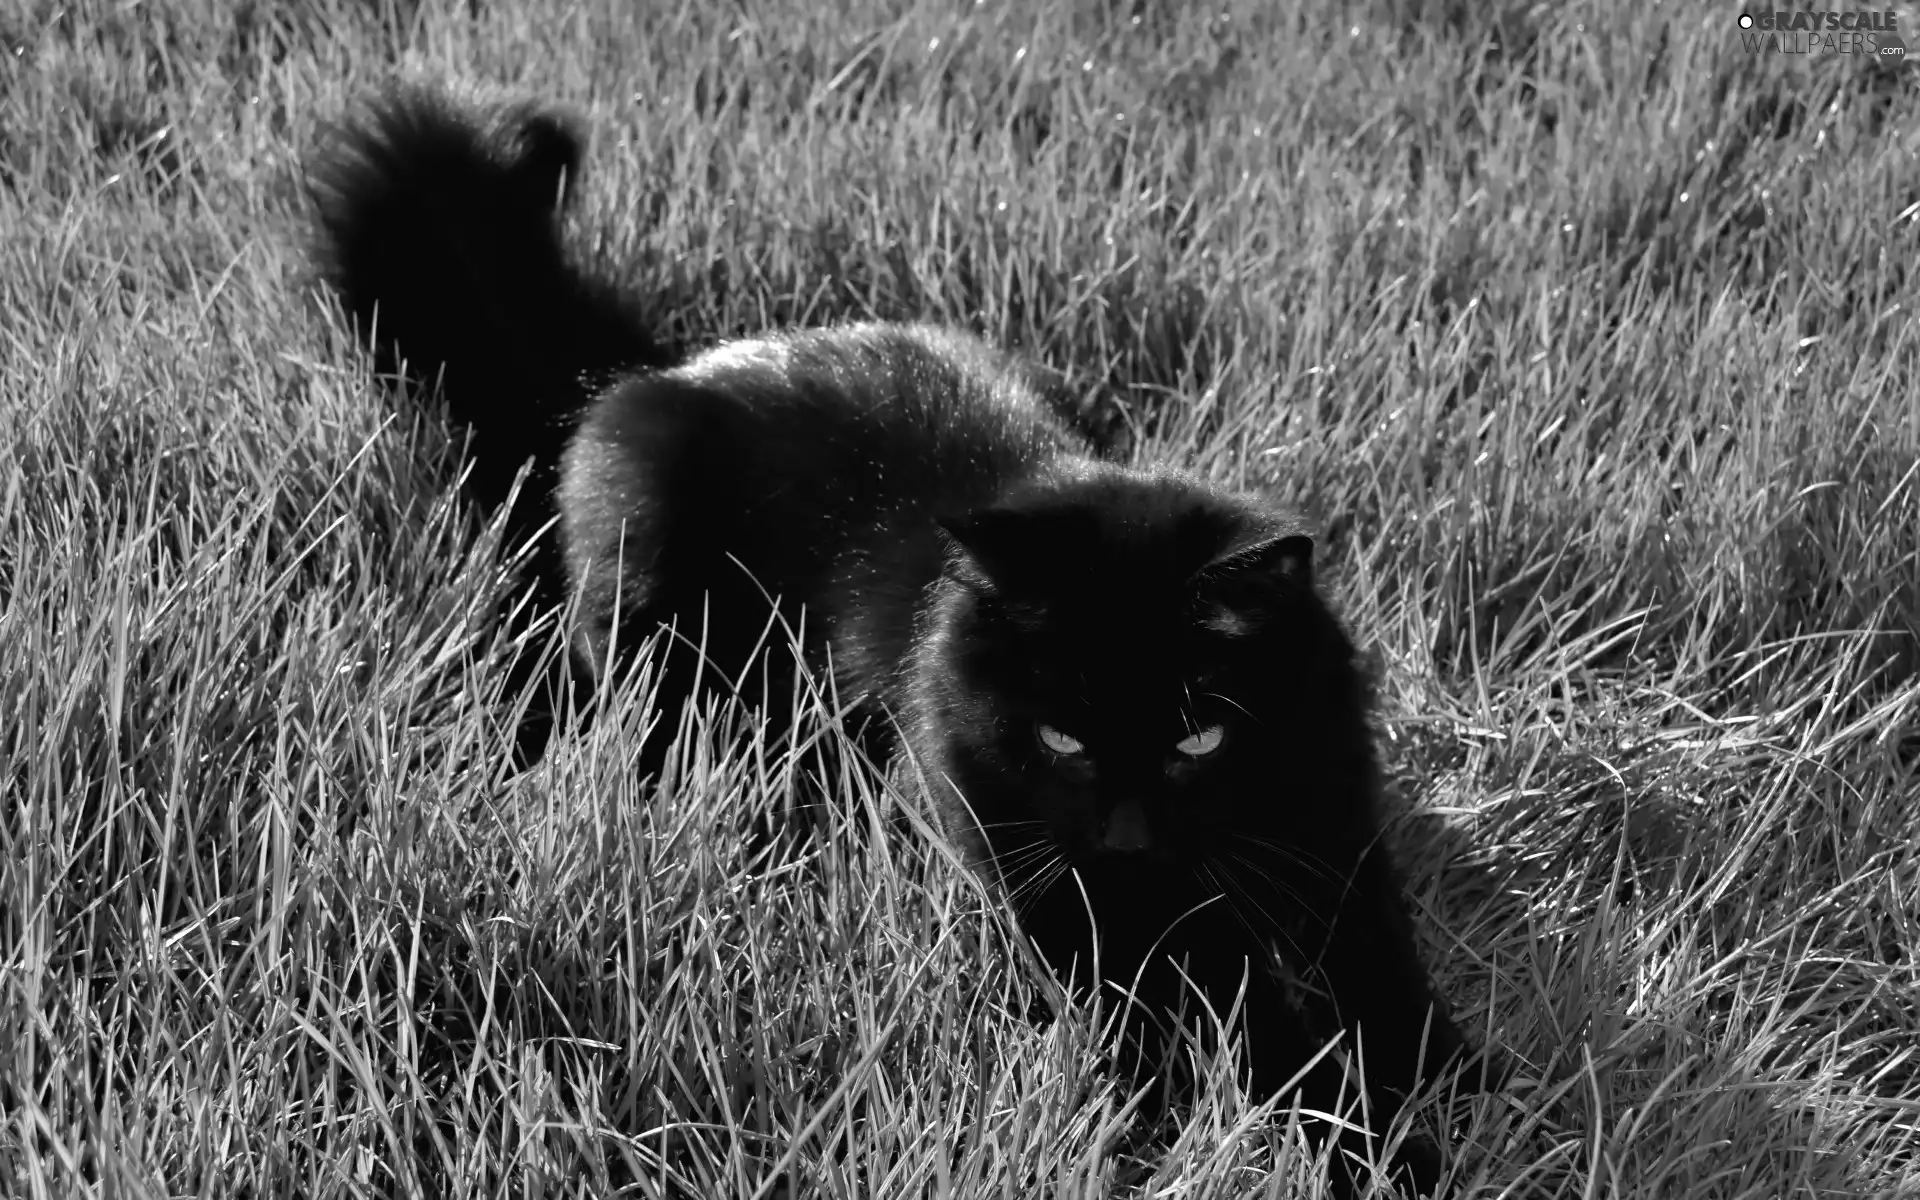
{"x":1127,"y":828}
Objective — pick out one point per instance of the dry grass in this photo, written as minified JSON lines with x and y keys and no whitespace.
{"x":1588,"y":337}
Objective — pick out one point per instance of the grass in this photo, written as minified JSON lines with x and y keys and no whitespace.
{"x":1586,"y":336}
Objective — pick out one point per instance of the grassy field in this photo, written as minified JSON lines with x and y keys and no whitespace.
{"x":1587,"y":336}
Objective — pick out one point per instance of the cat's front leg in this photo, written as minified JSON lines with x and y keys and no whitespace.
{"x":1379,"y":990}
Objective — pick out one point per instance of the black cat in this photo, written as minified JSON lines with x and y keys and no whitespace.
{"x":1118,"y":684}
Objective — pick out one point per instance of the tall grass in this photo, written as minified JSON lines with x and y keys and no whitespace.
{"x":1587,"y":338}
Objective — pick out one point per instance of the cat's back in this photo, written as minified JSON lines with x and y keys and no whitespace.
{"x":818,"y":460}
{"x":880,"y":415}
{"x":835,"y":426}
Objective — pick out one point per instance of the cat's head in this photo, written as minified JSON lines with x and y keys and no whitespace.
{"x":1135,"y":666}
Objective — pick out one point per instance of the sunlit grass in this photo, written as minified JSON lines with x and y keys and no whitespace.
{"x":1586,"y":338}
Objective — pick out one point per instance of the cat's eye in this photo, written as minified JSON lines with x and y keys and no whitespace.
{"x":1203,"y":743}
{"x":1059,"y":743}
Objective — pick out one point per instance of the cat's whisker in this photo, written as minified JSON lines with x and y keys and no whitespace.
{"x":1023,"y":894}
{"x":1031,"y":842}
{"x":1235,"y":704}
{"x":1287,"y":858}
{"x":1291,"y":893}
{"x":1026,"y":850}
{"x":1305,"y":859}
{"x":1215,"y":879}
{"x":1055,"y":873}
{"x":1024,"y":853}
{"x":1262,"y":930}
{"x":1017,"y":863}
{"x":1213,"y":883}
{"x":1269,"y":925}
{"x":1012,"y":826}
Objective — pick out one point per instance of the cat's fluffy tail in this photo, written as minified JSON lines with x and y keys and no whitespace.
{"x":438,"y":225}
{"x":439,"y":228}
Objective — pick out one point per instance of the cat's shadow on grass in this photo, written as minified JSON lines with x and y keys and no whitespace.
{"x":1554,"y":995}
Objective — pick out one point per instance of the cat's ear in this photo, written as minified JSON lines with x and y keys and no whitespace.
{"x":1247,"y":586}
{"x":987,"y":543}
{"x":1285,"y":559}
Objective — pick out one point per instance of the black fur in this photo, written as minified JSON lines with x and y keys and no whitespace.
{"x":1119,"y":685}
{"x":438,"y":227}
